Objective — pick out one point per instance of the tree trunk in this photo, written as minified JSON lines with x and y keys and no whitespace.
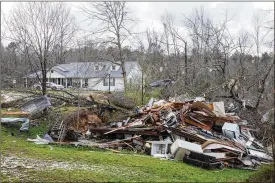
{"x":44,"y":78}
{"x":185,"y":62}
{"x":273,"y":153}
{"x":124,"y":75}
{"x":262,"y":89}
{"x":122,"y":62}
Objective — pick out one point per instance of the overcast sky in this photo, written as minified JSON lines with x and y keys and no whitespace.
{"x":149,"y":13}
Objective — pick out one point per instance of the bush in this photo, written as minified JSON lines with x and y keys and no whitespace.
{"x":121,"y":100}
{"x":135,"y":94}
{"x":264,"y":175}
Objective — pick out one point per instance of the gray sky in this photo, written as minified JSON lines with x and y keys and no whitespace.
{"x":149,"y":13}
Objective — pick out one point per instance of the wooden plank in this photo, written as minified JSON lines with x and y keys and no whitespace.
{"x":15,"y":113}
{"x":200,"y":125}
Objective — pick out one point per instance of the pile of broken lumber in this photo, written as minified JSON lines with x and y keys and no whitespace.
{"x":194,"y":131}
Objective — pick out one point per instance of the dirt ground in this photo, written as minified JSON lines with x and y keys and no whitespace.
{"x":15,"y":166}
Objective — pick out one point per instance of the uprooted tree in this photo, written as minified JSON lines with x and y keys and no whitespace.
{"x":42,"y":31}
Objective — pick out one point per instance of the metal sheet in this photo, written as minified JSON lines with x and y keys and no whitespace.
{"x":259,"y":154}
{"x":25,"y":124}
{"x":36,"y":105}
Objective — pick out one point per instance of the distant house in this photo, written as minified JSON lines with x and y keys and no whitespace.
{"x":103,"y":76}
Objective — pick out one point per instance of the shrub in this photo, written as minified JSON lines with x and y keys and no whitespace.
{"x":264,"y":175}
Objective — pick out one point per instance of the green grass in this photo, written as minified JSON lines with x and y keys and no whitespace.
{"x":66,"y":109}
{"x":113,"y":167}
{"x":6,"y":178}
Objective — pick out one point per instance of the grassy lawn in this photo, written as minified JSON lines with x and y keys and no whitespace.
{"x":105,"y":166}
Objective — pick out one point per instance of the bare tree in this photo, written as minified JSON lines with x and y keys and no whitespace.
{"x":198,"y":25}
{"x":115,"y":20}
{"x":153,"y":61}
{"x":38,"y":27}
{"x":170,"y":31}
{"x":257,"y":37}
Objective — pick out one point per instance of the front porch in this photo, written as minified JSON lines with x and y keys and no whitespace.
{"x":66,"y":82}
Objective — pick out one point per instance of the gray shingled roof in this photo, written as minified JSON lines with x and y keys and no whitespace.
{"x":33,"y":75}
{"x":87,"y":69}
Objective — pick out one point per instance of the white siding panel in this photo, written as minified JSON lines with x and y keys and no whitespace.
{"x":54,"y":75}
{"x":134,"y":75}
{"x":119,"y":86}
{"x":97,"y":84}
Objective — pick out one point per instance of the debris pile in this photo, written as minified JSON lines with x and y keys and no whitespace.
{"x":194,"y":131}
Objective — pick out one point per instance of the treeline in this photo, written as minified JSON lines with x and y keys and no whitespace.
{"x":208,"y":60}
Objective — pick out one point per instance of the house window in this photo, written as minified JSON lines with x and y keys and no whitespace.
{"x":85,"y":82}
{"x":106,"y":82}
{"x":112,"y":81}
{"x":96,"y":67}
{"x":113,"y":67}
{"x":51,"y":71}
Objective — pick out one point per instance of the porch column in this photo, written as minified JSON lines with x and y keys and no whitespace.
{"x":66,"y":83}
{"x":80,"y":82}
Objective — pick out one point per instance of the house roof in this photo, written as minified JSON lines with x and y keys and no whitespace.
{"x":33,"y":75}
{"x":87,"y":69}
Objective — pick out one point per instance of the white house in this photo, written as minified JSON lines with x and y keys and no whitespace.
{"x":103,"y":76}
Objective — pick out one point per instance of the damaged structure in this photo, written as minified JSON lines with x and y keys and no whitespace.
{"x":193,"y":131}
